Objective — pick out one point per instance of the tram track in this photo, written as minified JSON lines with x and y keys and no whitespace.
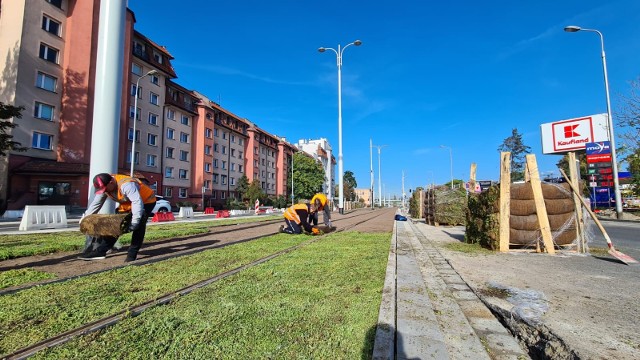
{"x":168,"y":297}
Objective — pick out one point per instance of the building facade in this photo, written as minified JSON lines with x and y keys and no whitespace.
{"x":321,"y":151}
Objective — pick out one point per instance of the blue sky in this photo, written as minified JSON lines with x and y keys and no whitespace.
{"x":461,"y":74}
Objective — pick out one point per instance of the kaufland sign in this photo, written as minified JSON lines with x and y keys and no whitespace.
{"x":573,"y":134}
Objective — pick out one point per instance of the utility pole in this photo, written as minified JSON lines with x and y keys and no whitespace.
{"x":371,"y":161}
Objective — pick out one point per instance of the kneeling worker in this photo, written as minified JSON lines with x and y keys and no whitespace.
{"x":320,"y":202}
{"x":296,"y":219}
{"x":132,"y":196}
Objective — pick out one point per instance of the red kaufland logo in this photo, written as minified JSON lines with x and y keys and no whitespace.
{"x":570,"y":131}
{"x":572,"y":134}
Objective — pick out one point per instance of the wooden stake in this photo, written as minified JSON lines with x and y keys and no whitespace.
{"x":576,"y":202}
{"x":472,"y":178}
{"x":541,"y":208}
{"x":505,"y":200}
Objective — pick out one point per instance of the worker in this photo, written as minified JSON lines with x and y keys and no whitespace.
{"x":320,"y":202}
{"x":133,"y":196}
{"x":296,"y":219}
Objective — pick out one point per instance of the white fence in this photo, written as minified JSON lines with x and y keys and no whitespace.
{"x":43,"y":217}
{"x":185,"y":212}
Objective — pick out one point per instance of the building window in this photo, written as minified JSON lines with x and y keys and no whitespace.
{"x":240,"y":141}
{"x":213,"y":194}
{"x":168,"y":172}
{"x":154,"y":98}
{"x":207,"y":149}
{"x":46,"y":82}
{"x":170,"y":133}
{"x":151,"y":160}
{"x":153,"y":119}
{"x":182,"y":174}
{"x":152,"y":139}
{"x":233,"y":139}
{"x":137,"y":157}
{"x":224,"y":135}
{"x":130,"y":135}
{"x":224,"y":165}
{"x":43,"y":111}
{"x":184,"y":155}
{"x":208,"y":133}
{"x":215,"y":147}
{"x":50,"y":25}
{"x":184,"y":137}
{"x":215,"y":163}
{"x":233,"y":152}
{"x":41,"y":141}
{"x":215,"y":132}
{"x":135,"y":91}
{"x":155,"y":79}
{"x":56,"y":3}
{"x":232,"y":181}
{"x":170,"y":114}
{"x":224,"y":149}
{"x":157,"y":57}
{"x":239,"y":168}
{"x":48,"y":53}
{"x":169,"y":153}
{"x":136,"y":69}
{"x":184,"y":120}
{"x":240,"y":154}
{"x":215,"y":179}
{"x":224,"y":179}
{"x":207,"y":167}
{"x":233,"y":167}
{"x":207,"y":184}
{"x":133,"y":113}
{"x":168,"y":192}
{"x":182,"y":193}
{"x":223,"y":195}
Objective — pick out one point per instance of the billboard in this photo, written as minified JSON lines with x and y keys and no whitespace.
{"x":573,"y":134}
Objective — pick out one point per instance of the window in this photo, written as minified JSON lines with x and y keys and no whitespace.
{"x":43,"y":111}
{"x":224,"y":135}
{"x":48,"y":53}
{"x":224,"y":179}
{"x":233,"y":152}
{"x":136,"y":69}
{"x":50,"y":25}
{"x":215,"y":163}
{"x":133,"y":113}
{"x":130,"y":135}
{"x":207,"y":184}
{"x":233,"y":167}
{"x":155,"y":79}
{"x":169,"y":153}
{"x":232,"y":181}
{"x":151,"y":160}
{"x":215,"y":179}
{"x":171,"y":114}
{"x":46,"y":82}
{"x":152,"y":139}
{"x":208,"y":133}
{"x":184,"y":120}
{"x":240,"y":141}
{"x":157,"y":57}
{"x":184,"y":137}
{"x":168,"y":192}
{"x":224,"y":165}
{"x":224,"y":149}
{"x":41,"y":141}
{"x":170,"y":134}
{"x":56,"y":3}
{"x":223,"y":195}
{"x":135,"y":91}
{"x":168,"y":172}
{"x":137,"y":157}
{"x":233,"y":139}
{"x":153,"y":119}
{"x":207,"y":149}
{"x":182,"y":192}
{"x":207,"y":167}
{"x":239,"y":154}
{"x":215,"y":132}
{"x":182,"y":174}
{"x":154,"y":98}
{"x":239,"y":168}
{"x":184,"y":155}
{"x":215,"y":147}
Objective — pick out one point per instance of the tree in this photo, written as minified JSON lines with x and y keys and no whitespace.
{"x":308,"y":176}
{"x":518,"y":150}
{"x":628,"y":118}
{"x":349,"y":185}
{"x":254,"y":191}
{"x":6,"y":141}
{"x":242,"y":185}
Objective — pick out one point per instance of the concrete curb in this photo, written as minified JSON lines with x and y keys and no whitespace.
{"x":384,"y":343}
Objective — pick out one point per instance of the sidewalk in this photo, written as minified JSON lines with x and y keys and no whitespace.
{"x":565,"y":306}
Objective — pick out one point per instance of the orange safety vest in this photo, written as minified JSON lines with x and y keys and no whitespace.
{"x":322,"y":198}
{"x":292,"y":214}
{"x":146,"y":193}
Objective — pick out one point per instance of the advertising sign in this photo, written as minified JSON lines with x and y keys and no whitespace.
{"x":598,"y":148}
{"x":573,"y":134}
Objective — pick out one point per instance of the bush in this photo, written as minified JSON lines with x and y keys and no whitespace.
{"x":187,"y":204}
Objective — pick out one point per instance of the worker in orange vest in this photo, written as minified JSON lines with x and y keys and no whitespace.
{"x":296,"y":219}
{"x":320,"y":202}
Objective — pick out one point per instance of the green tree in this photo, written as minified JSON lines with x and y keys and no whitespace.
{"x":349,"y":185}
{"x":628,"y":118}
{"x":564,"y":163}
{"x":308,"y":176}
{"x":242,"y":185}
{"x":518,"y":150}
{"x":254,"y":191}
{"x":6,"y":141}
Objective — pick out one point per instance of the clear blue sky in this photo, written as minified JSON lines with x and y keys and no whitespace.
{"x":461,"y":74}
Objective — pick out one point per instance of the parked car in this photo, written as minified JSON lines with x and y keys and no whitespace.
{"x":162,"y":205}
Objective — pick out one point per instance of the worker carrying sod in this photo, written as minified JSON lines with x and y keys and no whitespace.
{"x":296,"y":219}
{"x":320,"y":202}
{"x":133,"y":196}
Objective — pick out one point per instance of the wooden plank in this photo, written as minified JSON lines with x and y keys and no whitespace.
{"x":505,"y":200}
{"x":472,"y":178}
{"x":541,"y":208}
{"x":573,"y":177}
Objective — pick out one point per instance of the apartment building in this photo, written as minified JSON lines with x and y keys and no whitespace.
{"x":320,"y":150}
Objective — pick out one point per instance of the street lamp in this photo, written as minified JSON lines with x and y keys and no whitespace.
{"x":450,"y":160}
{"x":371,"y":161}
{"x":616,"y":183}
{"x":340,"y":166}
{"x":379,"y":175}
{"x":135,"y":119}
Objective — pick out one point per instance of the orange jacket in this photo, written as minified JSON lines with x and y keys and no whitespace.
{"x":299,"y":213}
{"x":146,"y":193}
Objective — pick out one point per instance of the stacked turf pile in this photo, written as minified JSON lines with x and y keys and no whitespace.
{"x":112,"y":225}
{"x":444,"y":206}
{"x":483,"y":225}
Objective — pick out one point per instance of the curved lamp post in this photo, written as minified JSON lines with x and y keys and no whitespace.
{"x":614,"y":163}
{"x":450,"y":160}
{"x":135,"y":120}
{"x":340,"y":166}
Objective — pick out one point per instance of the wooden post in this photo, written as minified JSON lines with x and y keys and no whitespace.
{"x":541,"y":208}
{"x":573,"y":177}
{"x":505,"y":200}
{"x":421,"y":204}
{"x":472,"y":178}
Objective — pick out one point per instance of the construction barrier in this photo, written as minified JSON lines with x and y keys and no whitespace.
{"x":43,"y":217}
{"x":208,"y":210}
{"x":163,"y":216}
{"x":185,"y":212}
{"x":222,"y":214}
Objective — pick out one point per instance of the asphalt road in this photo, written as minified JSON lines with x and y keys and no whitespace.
{"x":625,"y":236}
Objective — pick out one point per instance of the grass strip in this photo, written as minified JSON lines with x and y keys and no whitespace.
{"x":15,"y":246}
{"x":22,"y":276}
{"x":34,"y":314}
{"x":319,"y":302}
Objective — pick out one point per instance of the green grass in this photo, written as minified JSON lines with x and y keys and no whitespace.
{"x":469,"y":249}
{"x":15,"y":246}
{"x":318,"y":302}
{"x":16,"y":277}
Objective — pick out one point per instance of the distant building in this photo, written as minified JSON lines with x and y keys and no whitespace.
{"x":321,"y":150}
{"x":364,"y":195}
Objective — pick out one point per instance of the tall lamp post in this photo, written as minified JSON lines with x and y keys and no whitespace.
{"x":135,"y":119}
{"x":340,"y":165}
{"x":371,"y":161}
{"x":379,"y":175}
{"x":450,"y":160}
{"x":616,"y":183}
{"x":292,"y":198}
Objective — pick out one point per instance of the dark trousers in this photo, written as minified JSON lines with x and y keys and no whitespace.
{"x":137,"y":236}
{"x":292,"y":227}
{"x":313,"y":219}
